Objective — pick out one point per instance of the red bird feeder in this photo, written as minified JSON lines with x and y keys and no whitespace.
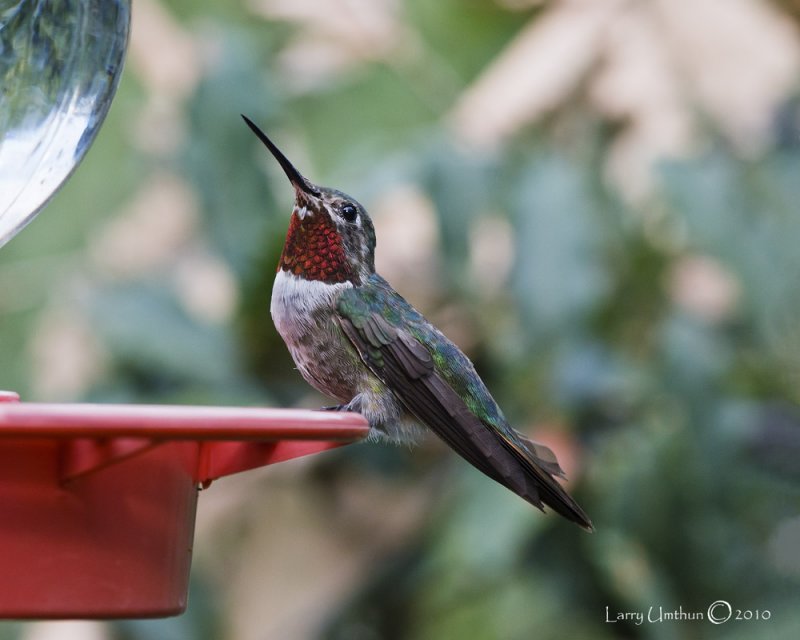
{"x":97,"y":502}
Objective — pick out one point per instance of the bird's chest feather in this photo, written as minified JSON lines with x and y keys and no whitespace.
{"x":303,"y":313}
{"x":301,"y":308}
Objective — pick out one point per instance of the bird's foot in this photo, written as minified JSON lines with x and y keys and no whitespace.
{"x":354,"y":405}
{"x":335,"y":407}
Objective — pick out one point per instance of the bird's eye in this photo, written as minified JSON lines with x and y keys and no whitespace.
{"x":349,"y":212}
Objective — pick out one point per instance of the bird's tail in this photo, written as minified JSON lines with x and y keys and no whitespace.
{"x":535,"y":481}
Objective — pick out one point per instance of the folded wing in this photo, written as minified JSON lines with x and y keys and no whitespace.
{"x":407,"y":367}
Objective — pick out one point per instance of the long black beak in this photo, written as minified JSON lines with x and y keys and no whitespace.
{"x":295,"y":177}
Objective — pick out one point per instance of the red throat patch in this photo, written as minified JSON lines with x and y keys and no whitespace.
{"x":314,"y":250}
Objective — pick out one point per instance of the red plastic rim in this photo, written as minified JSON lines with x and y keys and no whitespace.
{"x":170,"y":422}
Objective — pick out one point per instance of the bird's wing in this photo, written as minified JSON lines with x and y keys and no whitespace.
{"x":408,"y":368}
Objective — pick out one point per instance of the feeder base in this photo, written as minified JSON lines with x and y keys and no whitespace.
{"x":97,"y":502}
{"x":134,"y":564}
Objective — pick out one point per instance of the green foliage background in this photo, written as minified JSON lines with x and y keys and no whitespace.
{"x":683,"y":424}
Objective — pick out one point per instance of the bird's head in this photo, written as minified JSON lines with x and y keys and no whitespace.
{"x":331,"y":237}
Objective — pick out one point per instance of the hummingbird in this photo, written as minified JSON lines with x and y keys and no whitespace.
{"x":355,"y":339}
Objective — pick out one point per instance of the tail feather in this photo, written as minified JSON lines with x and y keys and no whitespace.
{"x":538,"y":465}
{"x":543,"y":456}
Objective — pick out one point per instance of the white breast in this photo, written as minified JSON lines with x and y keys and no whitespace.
{"x":296,"y":301}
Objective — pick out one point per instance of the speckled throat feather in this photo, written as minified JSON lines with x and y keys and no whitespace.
{"x":314,"y":250}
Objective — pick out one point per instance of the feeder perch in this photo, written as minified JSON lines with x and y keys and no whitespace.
{"x":98,"y":502}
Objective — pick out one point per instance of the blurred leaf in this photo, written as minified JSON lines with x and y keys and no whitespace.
{"x":560,"y":275}
{"x":693,"y":354}
{"x":461,"y":190}
{"x":222,"y":158}
{"x":483,"y":30}
{"x":146,"y":330}
{"x":746,"y":215}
